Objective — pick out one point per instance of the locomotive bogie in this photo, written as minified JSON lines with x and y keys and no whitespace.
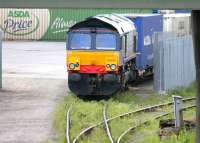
{"x":94,"y":84}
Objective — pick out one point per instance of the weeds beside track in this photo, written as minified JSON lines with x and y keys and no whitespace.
{"x":146,"y":110}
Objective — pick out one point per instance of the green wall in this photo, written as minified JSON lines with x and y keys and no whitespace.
{"x":62,"y":19}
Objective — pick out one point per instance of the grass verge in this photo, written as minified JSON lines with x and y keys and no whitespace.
{"x":88,"y":112}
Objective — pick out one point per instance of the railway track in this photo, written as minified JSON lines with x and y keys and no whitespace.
{"x":107,"y":120}
{"x":139,"y":125}
{"x":68,"y":122}
{"x":148,"y":122}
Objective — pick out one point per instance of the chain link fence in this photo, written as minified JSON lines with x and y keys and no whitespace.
{"x":174,"y":64}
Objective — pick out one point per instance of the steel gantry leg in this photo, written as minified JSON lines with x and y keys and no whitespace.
{"x":196,"y":41}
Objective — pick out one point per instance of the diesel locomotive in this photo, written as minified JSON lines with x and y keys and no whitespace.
{"x":101,"y":55}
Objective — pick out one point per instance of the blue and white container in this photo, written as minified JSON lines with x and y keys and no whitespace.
{"x":146,"y":25}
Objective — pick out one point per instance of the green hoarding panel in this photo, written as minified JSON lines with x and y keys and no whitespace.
{"x":62,"y":19}
{"x":47,"y":24}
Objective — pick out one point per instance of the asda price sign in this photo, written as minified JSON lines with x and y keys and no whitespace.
{"x":35,"y":24}
{"x":24,"y":23}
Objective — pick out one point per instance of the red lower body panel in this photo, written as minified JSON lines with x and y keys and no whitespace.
{"x":92,"y":69}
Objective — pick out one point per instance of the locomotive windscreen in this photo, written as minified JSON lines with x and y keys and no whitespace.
{"x":106,"y":41}
{"x":80,"y":41}
{"x":92,"y":41}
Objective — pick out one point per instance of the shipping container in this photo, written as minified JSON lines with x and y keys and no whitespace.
{"x":177,"y":23}
{"x":146,"y":25}
{"x":47,"y":24}
{"x":183,"y":11}
{"x":158,"y":11}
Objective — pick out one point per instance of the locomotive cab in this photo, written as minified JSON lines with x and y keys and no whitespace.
{"x":97,"y":52}
{"x":97,"y":48}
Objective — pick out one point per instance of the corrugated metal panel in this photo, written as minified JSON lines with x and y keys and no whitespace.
{"x":174,"y":64}
{"x":47,"y":24}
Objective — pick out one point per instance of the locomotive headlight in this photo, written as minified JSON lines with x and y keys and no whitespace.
{"x":107,"y":65}
{"x":113,"y":67}
{"x":72,"y":66}
{"x":73,"y":63}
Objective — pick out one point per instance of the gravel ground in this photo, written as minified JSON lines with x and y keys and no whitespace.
{"x":143,"y":88}
{"x":34,"y":79}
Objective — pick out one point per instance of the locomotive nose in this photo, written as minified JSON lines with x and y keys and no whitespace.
{"x":93,"y":62}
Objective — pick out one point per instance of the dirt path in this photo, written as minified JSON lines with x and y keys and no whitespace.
{"x":34,"y":79}
{"x":26,"y":109}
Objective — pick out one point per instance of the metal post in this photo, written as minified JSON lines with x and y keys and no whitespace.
{"x":178,"y":103}
{"x":1,"y":39}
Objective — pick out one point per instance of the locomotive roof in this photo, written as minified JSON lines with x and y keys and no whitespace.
{"x":120,"y":23}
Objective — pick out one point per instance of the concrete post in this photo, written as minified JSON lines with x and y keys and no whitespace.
{"x":178,"y":104}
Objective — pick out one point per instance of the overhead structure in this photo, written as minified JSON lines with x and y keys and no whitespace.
{"x":162,"y":4}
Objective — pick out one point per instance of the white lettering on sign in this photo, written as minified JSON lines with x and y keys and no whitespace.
{"x":147,"y":40}
{"x":60,"y":25}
